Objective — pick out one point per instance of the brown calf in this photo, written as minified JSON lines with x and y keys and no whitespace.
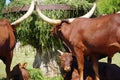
{"x":19,"y":72}
{"x":106,"y":71}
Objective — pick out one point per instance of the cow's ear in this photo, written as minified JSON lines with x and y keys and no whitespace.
{"x":19,"y":64}
{"x":59,"y":29}
{"x":59,"y":57}
{"x":24,"y":65}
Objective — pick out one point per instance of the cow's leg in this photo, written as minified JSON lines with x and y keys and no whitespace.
{"x":109,"y":60}
{"x":95,"y":66}
{"x":8,"y":64}
{"x":80,"y":61}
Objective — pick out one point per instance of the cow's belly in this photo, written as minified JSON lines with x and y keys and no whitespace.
{"x":102,"y":51}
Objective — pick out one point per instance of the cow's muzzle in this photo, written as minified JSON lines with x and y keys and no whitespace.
{"x":67,"y":69}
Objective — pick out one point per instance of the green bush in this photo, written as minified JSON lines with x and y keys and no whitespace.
{"x":36,"y":74}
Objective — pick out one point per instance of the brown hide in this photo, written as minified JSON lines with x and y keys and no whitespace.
{"x":7,"y":43}
{"x":94,"y":37}
{"x":19,"y":72}
{"x":106,"y":71}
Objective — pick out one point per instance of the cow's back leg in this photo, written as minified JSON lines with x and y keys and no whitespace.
{"x":109,"y":60}
{"x":95,"y":66}
{"x":8,"y":64}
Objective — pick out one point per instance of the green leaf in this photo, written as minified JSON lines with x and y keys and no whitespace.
{"x":2,"y":3}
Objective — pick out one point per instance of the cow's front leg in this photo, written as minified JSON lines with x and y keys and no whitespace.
{"x":8,"y":72}
{"x":80,"y":61}
{"x":7,"y":68}
{"x":95,"y":67}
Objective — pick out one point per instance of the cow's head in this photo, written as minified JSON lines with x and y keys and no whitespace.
{"x":59,"y":25}
{"x":65,"y":60}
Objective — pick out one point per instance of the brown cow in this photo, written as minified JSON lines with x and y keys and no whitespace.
{"x":8,"y":38}
{"x":106,"y":71}
{"x":94,"y":37}
{"x":19,"y":72}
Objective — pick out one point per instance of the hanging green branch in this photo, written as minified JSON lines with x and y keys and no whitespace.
{"x":108,"y":6}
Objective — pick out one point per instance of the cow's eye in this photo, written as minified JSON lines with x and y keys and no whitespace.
{"x":62,"y":60}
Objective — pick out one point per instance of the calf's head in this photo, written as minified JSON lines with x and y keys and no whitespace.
{"x":65,"y":60}
{"x":19,"y":72}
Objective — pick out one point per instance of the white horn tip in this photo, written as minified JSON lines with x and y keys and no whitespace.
{"x":60,"y":52}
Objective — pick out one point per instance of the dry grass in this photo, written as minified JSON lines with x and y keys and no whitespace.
{"x":115,"y":59}
{"x":21,"y":54}
{"x":26,"y":54}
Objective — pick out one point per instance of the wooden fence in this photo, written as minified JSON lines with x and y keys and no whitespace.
{"x":63,"y":7}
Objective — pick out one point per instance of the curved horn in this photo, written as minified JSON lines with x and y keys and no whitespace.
{"x":45,"y":18}
{"x":28,"y":13}
{"x":88,"y":15}
{"x":60,"y":52}
{"x":118,"y":12}
{"x":57,"y":22}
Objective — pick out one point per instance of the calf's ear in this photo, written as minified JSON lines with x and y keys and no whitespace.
{"x":24,"y":65}
{"x":60,"y":52}
{"x":59,"y":57}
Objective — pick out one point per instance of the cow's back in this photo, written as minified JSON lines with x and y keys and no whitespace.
{"x":4,"y":36}
{"x":96,"y":34}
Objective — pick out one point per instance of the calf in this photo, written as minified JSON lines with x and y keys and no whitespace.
{"x":19,"y":72}
{"x":69,"y":66}
{"x":106,"y":71}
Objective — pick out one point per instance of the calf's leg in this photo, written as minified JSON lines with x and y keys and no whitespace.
{"x":75,"y":74}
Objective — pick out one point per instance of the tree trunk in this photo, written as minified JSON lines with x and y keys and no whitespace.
{"x":47,"y":62}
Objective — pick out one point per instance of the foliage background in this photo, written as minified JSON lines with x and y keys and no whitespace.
{"x":36,"y":32}
{"x":108,"y":6}
{"x":42,"y":37}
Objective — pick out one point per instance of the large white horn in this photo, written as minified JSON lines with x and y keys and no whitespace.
{"x":45,"y":18}
{"x":118,"y":12}
{"x":88,"y":15}
{"x":60,"y":52}
{"x":57,"y":22}
{"x":25,"y":16}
